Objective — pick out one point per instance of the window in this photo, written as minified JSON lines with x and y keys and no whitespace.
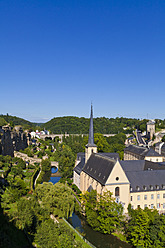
{"x":138,"y":197}
{"x":117,"y":178}
{"x":145,"y":205}
{"x":152,"y":196}
{"x":145,"y":197}
{"x":117,"y":193}
{"x":157,"y":186}
{"x":130,"y":188}
{"x":131,"y":198}
{"x":151,"y":187}
{"x":152,"y":206}
{"x":163,"y":205}
{"x":158,"y":205}
{"x":163,"y":195}
{"x":163,"y":186}
{"x":158,"y":196}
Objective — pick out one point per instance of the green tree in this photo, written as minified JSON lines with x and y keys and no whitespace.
{"x":55,"y":236}
{"x":102,"y":212}
{"x":138,"y":228}
{"x":66,"y":159}
{"x":57,"y":199}
{"x":46,"y":165}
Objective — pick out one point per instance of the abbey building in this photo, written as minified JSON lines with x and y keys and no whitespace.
{"x":139,"y":182}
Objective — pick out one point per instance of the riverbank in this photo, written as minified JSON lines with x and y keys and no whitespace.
{"x":98,"y":239}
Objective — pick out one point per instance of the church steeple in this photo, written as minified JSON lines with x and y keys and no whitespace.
{"x":90,"y":147}
{"x":91,"y":135}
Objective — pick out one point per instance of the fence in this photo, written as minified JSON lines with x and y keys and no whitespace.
{"x":85,"y":240}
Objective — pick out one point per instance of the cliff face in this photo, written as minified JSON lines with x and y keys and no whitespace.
{"x":11,"y":140}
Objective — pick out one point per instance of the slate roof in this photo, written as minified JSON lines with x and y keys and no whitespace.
{"x":80,"y":166}
{"x":141,"y":151}
{"x":110,"y":155}
{"x":142,"y":173}
{"x":80,"y":155}
{"x":141,"y":165}
{"x":146,"y":178}
{"x":99,"y":167}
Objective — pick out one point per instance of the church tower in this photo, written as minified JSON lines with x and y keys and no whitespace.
{"x":90,"y":147}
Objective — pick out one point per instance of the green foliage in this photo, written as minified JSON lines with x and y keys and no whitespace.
{"x":10,"y":236}
{"x":76,"y":125}
{"x":17,"y":121}
{"x":102,"y":212}
{"x":57,"y":199}
{"x":163,"y":138}
{"x":146,"y":228}
{"x":66,"y":159}
{"x":55,"y":236}
{"x":46,"y":165}
{"x":2,"y":122}
{"x":117,"y":144}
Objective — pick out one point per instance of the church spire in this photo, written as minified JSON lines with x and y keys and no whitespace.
{"x":90,"y":147}
{"x":91,"y":135}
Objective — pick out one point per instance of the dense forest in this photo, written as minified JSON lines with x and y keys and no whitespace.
{"x":14,"y":121}
{"x":80,"y":125}
{"x":76,"y":125}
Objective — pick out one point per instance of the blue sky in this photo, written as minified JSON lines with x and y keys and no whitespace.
{"x":56,"y":56}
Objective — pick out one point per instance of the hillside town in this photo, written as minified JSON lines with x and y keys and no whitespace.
{"x":132,"y":179}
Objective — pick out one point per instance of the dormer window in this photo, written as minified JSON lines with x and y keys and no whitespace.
{"x":130,"y":188}
{"x":157,"y":186}
{"x":88,"y":167}
{"x":99,"y":174}
{"x":138,"y":188}
{"x":145,"y":187}
{"x":91,"y":169}
{"x":151,"y":187}
{"x":163,"y":186}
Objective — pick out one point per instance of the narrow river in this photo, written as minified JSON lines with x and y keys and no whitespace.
{"x":97,"y":239}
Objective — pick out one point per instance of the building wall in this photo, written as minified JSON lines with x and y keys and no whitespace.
{"x":132,"y":156}
{"x":154,"y":159}
{"x":148,"y":199}
{"x":76,"y":179}
{"x":150,"y":130}
{"x":117,"y":178}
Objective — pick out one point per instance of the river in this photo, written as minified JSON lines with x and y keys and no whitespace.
{"x":96,"y":238}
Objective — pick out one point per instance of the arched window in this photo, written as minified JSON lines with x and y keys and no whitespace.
{"x":117,"y":193}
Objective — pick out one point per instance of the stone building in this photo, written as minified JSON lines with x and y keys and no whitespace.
{"x":6,"y":143}
{"x":150,"y":129}
{"x":12,"y":140}
{"x":133,"y":152}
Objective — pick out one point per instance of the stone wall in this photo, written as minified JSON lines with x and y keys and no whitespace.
{"x":11,"y":140}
